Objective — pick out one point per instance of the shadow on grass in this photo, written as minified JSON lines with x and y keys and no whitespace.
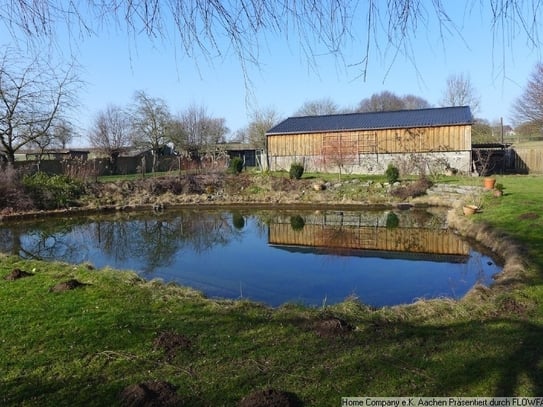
{"x":495,"y":358}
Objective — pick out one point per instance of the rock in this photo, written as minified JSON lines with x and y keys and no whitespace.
{"x":318,"y":186}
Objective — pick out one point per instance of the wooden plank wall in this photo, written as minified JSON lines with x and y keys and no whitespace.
{"x":411,"y":240}
{"x":431,"y":139}
{"x":529,"y":160}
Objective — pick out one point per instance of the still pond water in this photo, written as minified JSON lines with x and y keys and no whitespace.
{"x":312,"y":257}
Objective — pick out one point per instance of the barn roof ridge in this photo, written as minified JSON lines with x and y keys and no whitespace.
{"x":407,"y":118}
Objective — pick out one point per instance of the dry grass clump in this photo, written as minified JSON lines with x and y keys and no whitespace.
{"x":514,"y":267}
{"x":13,"y":197}
{"x":413,"y":189}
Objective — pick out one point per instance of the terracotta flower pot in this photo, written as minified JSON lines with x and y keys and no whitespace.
{"x":469,"y":209}
{"x":489,"y":183}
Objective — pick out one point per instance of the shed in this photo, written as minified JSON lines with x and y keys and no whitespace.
{"x":247,"y":152}
{"x":433,"y":139}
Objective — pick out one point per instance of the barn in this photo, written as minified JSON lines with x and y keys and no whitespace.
{"x":430,"y":140}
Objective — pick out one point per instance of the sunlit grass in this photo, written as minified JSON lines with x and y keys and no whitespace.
{"x":82,"y":347}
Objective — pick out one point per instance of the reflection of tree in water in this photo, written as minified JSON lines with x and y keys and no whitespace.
{"x":151,"y":239}
{"x":9,"y":242}
{"x":46,"y":242}
{"x":155,"y":241}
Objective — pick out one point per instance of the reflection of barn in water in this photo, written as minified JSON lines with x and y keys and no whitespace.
{"x":366,"y":234}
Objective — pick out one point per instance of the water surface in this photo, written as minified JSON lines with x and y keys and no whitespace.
{"x":314,"y":257}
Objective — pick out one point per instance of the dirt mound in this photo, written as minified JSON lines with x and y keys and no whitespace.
{"x":171,"y":343}
{"x":332,"y":327}
{"x":270,"y":398}
{"x":71,"y":284}
{"x":150,"y":394}
{"x":17,"y":274}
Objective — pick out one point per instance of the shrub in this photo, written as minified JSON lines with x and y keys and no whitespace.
{"x":238,"y":221}
{"x":235,"y":166}
{"x":296,"y":171}
{"x":392,"y":220}
{"x":392,"y":173}
{"x":414,"y":189}
{"x":297,"y":222}
{"x":50,"y":192}
{"x":12,"y":194}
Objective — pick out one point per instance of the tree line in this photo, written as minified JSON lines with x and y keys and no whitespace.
{"x":37,"y":100}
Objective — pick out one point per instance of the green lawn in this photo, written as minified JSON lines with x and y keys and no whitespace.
{"x":82,"y":347}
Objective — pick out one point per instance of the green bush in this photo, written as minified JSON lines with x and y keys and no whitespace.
{"x":392,"y":173}
{"x":297,"y":222}
{"x":392,"y":220}
{"x":52,"y":191}
{"x":296,"y":171}
{"x":235,"y":166}
{"x":238,"y":221}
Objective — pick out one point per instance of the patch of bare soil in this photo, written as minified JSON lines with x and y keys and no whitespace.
{"x":332,"y":327}
{"x":71,"y":284}
{"x":270,"y":398}
{"x":528,"y":216}
{"x":17,"y":274}
{"x":150,"y":394}
{"x":171,"y":343}
{"x":290,"y":185}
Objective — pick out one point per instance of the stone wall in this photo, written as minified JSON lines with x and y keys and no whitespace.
{"x":408,"y":163}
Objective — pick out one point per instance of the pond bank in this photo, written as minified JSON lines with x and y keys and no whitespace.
{"x":118,"y":334}
{"x":298,"y":194}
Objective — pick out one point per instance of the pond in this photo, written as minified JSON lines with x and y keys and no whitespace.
{"x":311,"y":257}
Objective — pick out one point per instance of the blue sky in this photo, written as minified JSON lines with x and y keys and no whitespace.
{"x":115,"y":66}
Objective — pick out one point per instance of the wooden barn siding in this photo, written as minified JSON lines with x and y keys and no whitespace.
{"x":448,"y":138}
{"x":413,"y":240}
{"x":528,"y":160}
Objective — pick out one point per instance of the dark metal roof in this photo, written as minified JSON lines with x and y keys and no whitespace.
{"x":398,"y":119}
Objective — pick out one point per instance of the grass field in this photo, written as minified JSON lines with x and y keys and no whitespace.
{"x":84,"y":346}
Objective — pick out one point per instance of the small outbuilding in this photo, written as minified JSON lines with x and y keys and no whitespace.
{"x":422,"y":140}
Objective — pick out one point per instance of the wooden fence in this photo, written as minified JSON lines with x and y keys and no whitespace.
{"x":528,"y":160}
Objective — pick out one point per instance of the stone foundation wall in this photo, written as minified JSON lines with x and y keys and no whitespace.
{"x":408,"y":163}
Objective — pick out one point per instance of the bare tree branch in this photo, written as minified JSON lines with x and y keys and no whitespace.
{"x":34,"y":98}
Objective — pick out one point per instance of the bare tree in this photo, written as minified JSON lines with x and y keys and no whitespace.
{"x":339,"y":151}
{"x":216,"y":130}
{"x":461,"y":92}
{"x":34,"y":99}
{"x":481,"y":132}
{"x":387,"y":101}
{"x":63,"y":133}
{"x":412,"y":102}
{"x":320,"y":27}
{"x":318,"y":107}
{"x":240,"y":136}
{"x":176,"y":134}
{"x":149,"y":121}
{"x":380,"y":102}
{"x":202,"y":130}
{"x":110,"y":133}
{"x":528,"y":108}
{"x":261,"y":121}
